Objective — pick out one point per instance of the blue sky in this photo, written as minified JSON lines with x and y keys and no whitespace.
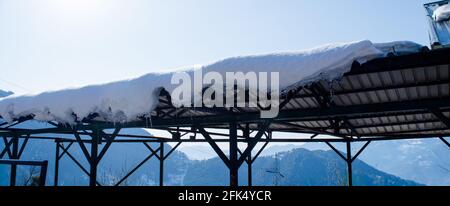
{"x":53,"y":44}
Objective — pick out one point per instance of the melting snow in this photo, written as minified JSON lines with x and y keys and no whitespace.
{"x":442,"y":13}
{"x":126,"y":100}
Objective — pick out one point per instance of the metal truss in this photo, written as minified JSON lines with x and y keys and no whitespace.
{"x":14,"y":163}
{"x":13,"y":149}
{"x":340,"y":126}
{"x":348,"y":158}
{"x":96,"y":155}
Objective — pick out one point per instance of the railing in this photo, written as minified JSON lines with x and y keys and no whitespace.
{"x":15,"y":163}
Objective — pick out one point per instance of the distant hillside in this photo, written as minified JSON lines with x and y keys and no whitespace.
{"x":117,"y":162}
{"x":426,"y":161}
{"x":299,"y":167}
{"x":5,"y":93}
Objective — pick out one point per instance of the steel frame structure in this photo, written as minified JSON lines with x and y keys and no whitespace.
{"x":14,"y":163}
{"x":329,"y":120}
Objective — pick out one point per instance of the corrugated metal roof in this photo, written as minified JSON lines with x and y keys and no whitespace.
{"x":439,"y":31}
{"x":376,"y":87}
{"x":391,"y":97}
{"x":393,"y":86}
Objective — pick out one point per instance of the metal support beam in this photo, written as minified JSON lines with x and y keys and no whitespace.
{"x":172,"y":150}
{"x":43,"y":175}
{"x":445,"y":141}
{"x":299,"y":139}
{"x":66,"y":151}
{"x":336,"y":151}
{"x":380,"y":88}
{"x":215,"y":147}
{"x":93,"y":161}
{"x":42,"y":164}
{"x":161,"y":164}
{"x":94,"y":157}
{"x":348,"y":158}
{"x":445,"y":120}
{"x":250,"y":160}
{"x":260,"y":151}
{"x":254,"y":141}
{"x":361,"y":150}
{"x":57,"y":158}
{"x":109,"y":140}
{"x":233,"y":162}
{"x":249,"y":169}
{"x":333,"y":112}
{"x":246,"y":134}
{"x":162,"y":158}
{"x":14,"y":151}
{"x":325,"y":100}
{"x":24,"y":144}
{"x":234,"y":165}
{"x":349,"y":164}
{"x":153,"y":153}
{"x":7,"y":149}
{"x":14,"y":156}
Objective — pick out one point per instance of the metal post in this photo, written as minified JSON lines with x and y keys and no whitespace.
{"x":6,"y":149}
{"x":445,"y":141}
{"x":15,"y":155}
{"x":249,"y":169}
{"x":233,"y":156}
{"x":349,"y":164}
{"x":43,"y":175}
{"x":55,"y":181}
{"x":93,"y":161}
{"x":246,"y":135}
{"x":161,"y":164}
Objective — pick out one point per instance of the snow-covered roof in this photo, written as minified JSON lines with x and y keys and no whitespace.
{"x":438,"y":15}
{"x":442,"y":13}
{"x":129,"y":99}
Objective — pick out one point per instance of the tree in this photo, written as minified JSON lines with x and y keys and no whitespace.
{"x":31,"y":177}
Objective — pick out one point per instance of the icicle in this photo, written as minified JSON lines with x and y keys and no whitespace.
{"x":146,"y":121}
{"x":330,"y":87}
{"x":151,"y":123}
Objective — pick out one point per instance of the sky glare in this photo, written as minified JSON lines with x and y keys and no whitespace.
{"x":54,"y":44}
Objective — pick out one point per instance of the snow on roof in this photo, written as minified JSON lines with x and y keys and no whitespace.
{"x":127,"y":100}
{"x":442,"y":13}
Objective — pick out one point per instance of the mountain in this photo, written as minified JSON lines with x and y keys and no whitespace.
{"x":423,"y":160}
{"x":5,"y":93}
{"x":203,"y":151}
{"x":426,"y":161}
{"x":116,"y":163}
{"x":299,"y":167}
{"x":274,"y":149}
{"x":198,"y":151}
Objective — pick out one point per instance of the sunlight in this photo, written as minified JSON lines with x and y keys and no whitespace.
{"x":81,"y":12}
{"x":78,"y":5}
{"x":78,"y":8}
